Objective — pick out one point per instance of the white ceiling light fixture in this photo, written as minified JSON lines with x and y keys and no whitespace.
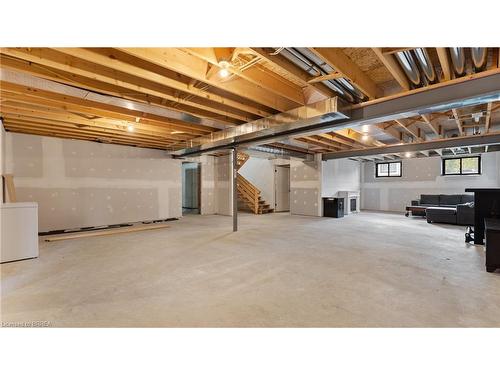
{"x":408,"y":154}
{"x":224,"y":69}
{"x":365,"y":128}
{"x":477,"y":116}
{"x":130,"y":128}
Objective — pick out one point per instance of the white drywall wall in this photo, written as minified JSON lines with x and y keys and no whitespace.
{"x":208,"y":204}
{"x":216,"y":184}
{"x":305,"y":187}
{"x":422,"y":176}
{"x":80,"y":183}
{"x":2,"y":157}
{"x":340,"y":175}
{"x":260,"y":172}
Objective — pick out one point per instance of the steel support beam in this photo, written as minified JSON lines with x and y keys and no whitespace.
{"x":472,"y":90}
{"x":234,"y":158}
{"x":474,"y":140}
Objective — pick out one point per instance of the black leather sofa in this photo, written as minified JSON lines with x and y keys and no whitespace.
{"x":451,"y":209}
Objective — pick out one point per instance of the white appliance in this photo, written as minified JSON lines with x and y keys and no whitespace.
{"x":348,"y":195}
{"x":19,"y":231}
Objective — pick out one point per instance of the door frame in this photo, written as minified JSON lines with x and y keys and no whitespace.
{"x":275,"y":186}
{"x":198,"y":171}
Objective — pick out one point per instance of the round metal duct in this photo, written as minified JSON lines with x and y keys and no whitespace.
{"x":458,"y":60}
{"x":426,"y":65}
{"x":410,"y":68}
{"x":479,"y":58}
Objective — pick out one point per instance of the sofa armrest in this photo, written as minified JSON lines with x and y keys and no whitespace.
{"x":415,"y":202}
{"x":465,"y":214}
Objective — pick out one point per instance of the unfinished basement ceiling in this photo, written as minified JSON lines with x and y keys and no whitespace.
{"x":170,"y":97}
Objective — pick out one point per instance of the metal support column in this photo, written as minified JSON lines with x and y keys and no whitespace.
{"x":234,"y":155}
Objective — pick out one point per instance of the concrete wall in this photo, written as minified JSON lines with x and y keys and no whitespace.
{"x":421,"y":176}
{"x":79,"y":183}
{"x":340,"y":175}
{"x":305,"y":187}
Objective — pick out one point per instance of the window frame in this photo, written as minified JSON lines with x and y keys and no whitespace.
{"x":443,"y":168}
{"x":389,"y":169}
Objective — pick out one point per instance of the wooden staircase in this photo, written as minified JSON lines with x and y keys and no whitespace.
{"x":248,"y":195}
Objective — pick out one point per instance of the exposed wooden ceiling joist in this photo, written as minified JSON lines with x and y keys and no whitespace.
{"x":326,"y":77}
{"x":390,"y":130}
{"x":109,"y":110}
{"x":393,"y":67}
{"x":487,"y":120}
{"x":444,"y":61}
{"x":194,"y":67}
{"x":412,"y":129}
{"x":458,"y":121}
{"x":256,"y":75}
{"x":323,"y":144}
{"x":428,"y":120}
{"x":106,"y":57}
{"x":93,"y":114}
{"x":127,"y":84}
{"x":283,"y":64}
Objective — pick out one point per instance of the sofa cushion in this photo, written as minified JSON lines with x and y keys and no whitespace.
{"x":427,"y":199}
{"x":442,"y":210}
{"x":450,"y":200}
{"x":466,"y":198}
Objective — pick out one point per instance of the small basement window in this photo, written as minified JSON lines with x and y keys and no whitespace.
{"x":391,"y":169}
{"x":466,"y":165}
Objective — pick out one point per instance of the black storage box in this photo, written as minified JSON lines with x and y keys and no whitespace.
{"x":333,"y":207}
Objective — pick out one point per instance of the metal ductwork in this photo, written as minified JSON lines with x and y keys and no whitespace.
{"x":329,"y":116}
{"x":323,"y":112}
{"x":458,"y":61}
{"x":277,"y":152}
{"x":479,"y":58}
{"x":312,"y":64}
{"x":426,"y":65}
{"x":409,"y":65}
{"x":289,"y":54}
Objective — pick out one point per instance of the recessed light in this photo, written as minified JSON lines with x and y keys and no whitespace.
{"x":130,"y":128}
{"x":408,"y":154}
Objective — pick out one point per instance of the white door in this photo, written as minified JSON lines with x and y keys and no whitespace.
{"x":282,"y":188}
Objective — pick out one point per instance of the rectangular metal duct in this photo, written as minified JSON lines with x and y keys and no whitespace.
{"x":326,"y":111}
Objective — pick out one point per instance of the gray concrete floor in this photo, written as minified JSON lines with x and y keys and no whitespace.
{"x":365,"y":270}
